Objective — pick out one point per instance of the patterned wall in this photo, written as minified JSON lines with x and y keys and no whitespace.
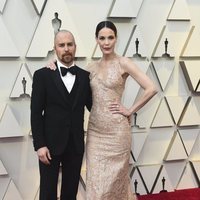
{"x":166,"y":132}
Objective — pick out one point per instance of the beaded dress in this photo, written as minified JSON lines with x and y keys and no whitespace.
{"x":108,"y":139}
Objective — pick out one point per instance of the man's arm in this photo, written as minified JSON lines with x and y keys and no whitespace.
{"x":37,"y":111}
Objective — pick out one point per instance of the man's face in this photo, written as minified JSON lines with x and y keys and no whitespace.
{"x":65,"y":48}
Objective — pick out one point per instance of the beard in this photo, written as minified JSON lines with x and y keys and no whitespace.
{"x":67,"y":58}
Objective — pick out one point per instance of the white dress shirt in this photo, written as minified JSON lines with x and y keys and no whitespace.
{"x":68,"y":79}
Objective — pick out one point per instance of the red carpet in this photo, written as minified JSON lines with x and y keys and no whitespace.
{"x":187,"y":194}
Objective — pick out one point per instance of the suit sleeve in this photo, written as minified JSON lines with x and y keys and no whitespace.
{"x":37,"y":111}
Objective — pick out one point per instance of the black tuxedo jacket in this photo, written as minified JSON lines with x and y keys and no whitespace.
{"x":53,"y":117}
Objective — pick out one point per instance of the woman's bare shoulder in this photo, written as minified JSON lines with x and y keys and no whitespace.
{"x":125,"y":60}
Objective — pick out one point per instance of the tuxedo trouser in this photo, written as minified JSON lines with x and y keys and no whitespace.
{"x":71,"y":162}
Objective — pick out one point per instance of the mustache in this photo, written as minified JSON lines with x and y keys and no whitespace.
{"x":67,"y":54}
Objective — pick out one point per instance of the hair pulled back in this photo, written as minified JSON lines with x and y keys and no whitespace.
{"x":107,"y":24}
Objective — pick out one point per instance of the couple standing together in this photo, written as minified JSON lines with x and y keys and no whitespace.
{"x":57,"y":115}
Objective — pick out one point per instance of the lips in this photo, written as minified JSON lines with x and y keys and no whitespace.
{"x":107,"y":49}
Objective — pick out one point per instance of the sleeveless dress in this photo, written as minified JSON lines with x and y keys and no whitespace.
{"x":108,"y":142}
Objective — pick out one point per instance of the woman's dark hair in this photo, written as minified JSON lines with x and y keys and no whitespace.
{"x":104,"y":24}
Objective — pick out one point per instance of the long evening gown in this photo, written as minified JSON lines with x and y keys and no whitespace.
{"x":108,"y":139}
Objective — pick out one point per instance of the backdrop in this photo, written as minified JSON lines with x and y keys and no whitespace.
{"x":162,"y":37}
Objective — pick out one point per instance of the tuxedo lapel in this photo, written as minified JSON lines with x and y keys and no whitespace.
{"x":80,"y":85}
{"x":59,"y":83}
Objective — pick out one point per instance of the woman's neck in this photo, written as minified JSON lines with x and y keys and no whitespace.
{"x":109,"y":57}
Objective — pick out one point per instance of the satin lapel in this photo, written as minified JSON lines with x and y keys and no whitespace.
{"x":60,"y":85}
{"x":80,"y":82}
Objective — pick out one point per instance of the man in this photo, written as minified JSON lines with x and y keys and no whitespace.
{"x":57,"y":116}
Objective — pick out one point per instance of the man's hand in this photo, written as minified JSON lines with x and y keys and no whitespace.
{"x":44,"y":155}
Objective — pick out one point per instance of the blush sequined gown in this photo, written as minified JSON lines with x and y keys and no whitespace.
{"x":108,"y":141}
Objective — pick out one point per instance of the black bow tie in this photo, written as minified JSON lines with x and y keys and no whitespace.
{"x":64,"y":70}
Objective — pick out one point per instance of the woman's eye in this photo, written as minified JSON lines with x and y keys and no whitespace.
{"x":110,"y":37}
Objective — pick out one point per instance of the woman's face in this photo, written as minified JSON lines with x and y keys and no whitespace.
{"x":106,"y":40}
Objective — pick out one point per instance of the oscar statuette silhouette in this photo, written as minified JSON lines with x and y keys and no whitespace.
{"x":24,"y":94}
{"x":135,"y":121}
{"x":56,"y":23}
{"x":136,"y":48}
{"x":166,"y":47}
{"x":135,"y":186}
{"x":163,"y":185}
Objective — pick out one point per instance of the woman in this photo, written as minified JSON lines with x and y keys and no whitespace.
{"x":108,"y":142}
